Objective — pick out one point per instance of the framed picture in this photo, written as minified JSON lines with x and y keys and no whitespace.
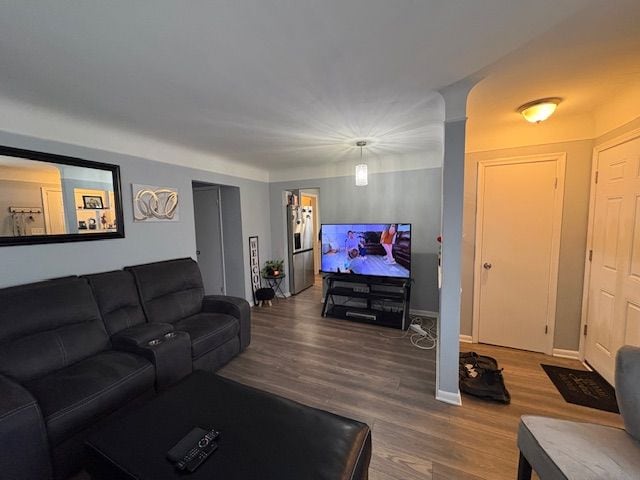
{"x":92,"y":202}
{"x":254,"y":265}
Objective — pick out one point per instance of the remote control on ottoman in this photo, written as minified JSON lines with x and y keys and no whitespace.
{"x":189,"y":453}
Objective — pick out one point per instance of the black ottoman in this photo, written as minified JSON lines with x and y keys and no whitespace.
{"x":264,"y":436}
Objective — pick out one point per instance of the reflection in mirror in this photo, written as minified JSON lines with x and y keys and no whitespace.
{"x":40,"y":198}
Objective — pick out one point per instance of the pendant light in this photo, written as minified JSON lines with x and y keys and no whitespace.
{"x":362,"y":178}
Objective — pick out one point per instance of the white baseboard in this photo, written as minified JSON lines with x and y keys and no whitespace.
{"x":466,"y":339}
{"x":573,"y":354}
{"x":423,"y":313}
{"x":449,"y":397}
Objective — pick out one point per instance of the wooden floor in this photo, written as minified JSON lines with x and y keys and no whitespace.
{"x":351,"y":369}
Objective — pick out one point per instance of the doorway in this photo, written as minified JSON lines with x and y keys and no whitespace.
{"x":209,"y":237}
{"x":52,"y":201}
{"x":310,"y":198}
{"x":301,"y":237}
{"x":612,"y":276}
{"x":518,"y":223}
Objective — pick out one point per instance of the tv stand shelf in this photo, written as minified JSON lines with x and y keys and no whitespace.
{"x":381,"y":301}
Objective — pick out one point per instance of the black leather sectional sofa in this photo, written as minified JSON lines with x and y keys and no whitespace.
{"x":75,"y":351}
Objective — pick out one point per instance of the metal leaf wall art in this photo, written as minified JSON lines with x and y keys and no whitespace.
{"x":154,"y":204}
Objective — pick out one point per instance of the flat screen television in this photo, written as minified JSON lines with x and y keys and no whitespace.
{"x":371,"y":249}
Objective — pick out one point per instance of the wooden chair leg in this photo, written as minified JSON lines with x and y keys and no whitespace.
{"x":524,"y":468}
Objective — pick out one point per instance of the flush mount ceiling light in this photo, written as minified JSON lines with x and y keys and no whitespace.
{"x":539,"y":110}
{"x":362,"y":174}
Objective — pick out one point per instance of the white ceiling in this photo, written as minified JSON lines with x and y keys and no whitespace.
{"x":267,"y":83}
{"x":587,"y":60}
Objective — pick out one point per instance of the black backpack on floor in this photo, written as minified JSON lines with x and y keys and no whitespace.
{"x":480,"y":376}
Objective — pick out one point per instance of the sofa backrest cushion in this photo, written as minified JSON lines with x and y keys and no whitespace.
{"x":117,"y":296}
{"x":46,"y":326}
{"x":169,"y":290}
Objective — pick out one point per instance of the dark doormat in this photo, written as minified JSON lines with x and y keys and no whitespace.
{"x":582,"y":387}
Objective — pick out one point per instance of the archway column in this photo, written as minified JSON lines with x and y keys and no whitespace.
{"x":455,"y":98}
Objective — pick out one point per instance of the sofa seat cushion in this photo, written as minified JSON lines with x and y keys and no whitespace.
{"x":74,"y":397}
{"x":208,"y":331}
{"x":560,"y":449}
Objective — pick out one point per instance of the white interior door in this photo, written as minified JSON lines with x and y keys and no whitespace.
{"x":613,"y":315}
{"x":517,"y":247}
{"x":53,"y":211}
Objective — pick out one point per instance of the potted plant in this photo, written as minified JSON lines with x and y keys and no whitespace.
{"x":272,"y":268}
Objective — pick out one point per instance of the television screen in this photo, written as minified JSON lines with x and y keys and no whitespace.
{"x":376,"y":249}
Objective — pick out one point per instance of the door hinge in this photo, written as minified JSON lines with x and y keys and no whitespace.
{"x":597,"y":176}
{"x":555,"y":185}
{"x":590,"y":255}
{"x":546,"y":329}
{"x":584,"y":330}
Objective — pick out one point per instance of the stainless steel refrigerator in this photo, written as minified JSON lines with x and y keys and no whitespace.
{"x":301,"y":237}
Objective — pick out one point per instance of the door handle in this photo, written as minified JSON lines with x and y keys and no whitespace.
{"x":487,"y":266}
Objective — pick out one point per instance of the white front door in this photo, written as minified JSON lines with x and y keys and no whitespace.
{"x":517,"y":247}
{"x":613,"y":315}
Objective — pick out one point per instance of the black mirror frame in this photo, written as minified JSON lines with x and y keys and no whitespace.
{"x":77,"y":162}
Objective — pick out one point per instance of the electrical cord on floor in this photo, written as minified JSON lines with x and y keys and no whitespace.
{"x":426,"y":341}
{"x":429,"y":339}
{"x":414,"y":319}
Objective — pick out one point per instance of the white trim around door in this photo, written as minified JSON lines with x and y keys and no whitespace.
{"x":560,"y":159}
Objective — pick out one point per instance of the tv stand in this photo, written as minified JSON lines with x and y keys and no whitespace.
{"x":377,"y":300}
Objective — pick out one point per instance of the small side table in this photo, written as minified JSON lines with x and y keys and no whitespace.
{"x":275,"y":282}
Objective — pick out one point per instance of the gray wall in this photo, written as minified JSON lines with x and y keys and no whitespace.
{"x":230,"y":199}
{"x":452,"y":214}
{"x":572,"y":242}
{"x":144,"y":242}
{"x":410,"y":196}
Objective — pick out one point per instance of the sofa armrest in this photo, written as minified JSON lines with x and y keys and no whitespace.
{"x":235,"y":306}
{"x":168,"y":350}
{"x":140,"y":335}
{"x":25,"y":447}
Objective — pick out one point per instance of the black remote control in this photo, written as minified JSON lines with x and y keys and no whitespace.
{"x":200,"y":452}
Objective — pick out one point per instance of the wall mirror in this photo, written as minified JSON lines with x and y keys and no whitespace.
{"x":46,"y":198}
